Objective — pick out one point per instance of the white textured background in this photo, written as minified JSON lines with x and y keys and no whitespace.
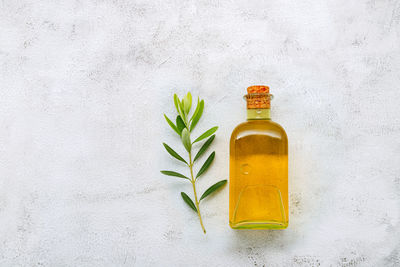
{"x":83,"y":85}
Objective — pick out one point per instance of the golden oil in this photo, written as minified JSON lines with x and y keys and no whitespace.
{"x":258,"y":185}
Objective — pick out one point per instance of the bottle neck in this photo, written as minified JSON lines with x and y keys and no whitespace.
{"x":259,"y":114}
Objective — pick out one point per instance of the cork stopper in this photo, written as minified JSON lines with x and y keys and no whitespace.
{"x":258,"y":97}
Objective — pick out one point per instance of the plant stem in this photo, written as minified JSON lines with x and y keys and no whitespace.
{"x":193,"y":181}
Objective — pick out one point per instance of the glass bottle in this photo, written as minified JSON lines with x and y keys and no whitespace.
{"x":258,"y":182}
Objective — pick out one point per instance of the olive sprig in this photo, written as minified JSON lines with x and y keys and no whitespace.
{"x":184,"y":127}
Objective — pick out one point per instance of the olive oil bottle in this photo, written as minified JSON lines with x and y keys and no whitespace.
{"x":258,"y":182}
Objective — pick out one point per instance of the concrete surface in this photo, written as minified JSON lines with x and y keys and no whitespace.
{"x":83,"y":85}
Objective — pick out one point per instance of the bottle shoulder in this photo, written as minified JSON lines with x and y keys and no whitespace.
{"x":258,"y":126}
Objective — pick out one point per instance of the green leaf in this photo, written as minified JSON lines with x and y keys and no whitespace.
{"x":180,"y":125}
{"x":196,"y":117}
{"x":204,"y":147}
{"x":181,"y":109}
{"x":186,"y":140}
{"x":206,"y":164}
{"x":188,"y":201}
{"x":173,"y":126}
{"x":176,"y":174}
{"x":206,"y":134}
{"x":176,"y":102}
{"x":196,"y":110}
{"x":213,"y":188}
{"x":187,"y":100}
{"x":173,"y":153}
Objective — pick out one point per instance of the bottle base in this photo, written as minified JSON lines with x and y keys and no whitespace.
{"x":259,"y":225}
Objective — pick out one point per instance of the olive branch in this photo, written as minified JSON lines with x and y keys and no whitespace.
{"x":184,"y":127}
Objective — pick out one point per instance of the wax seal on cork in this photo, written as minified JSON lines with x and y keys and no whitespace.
{"x":258,"y":96}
